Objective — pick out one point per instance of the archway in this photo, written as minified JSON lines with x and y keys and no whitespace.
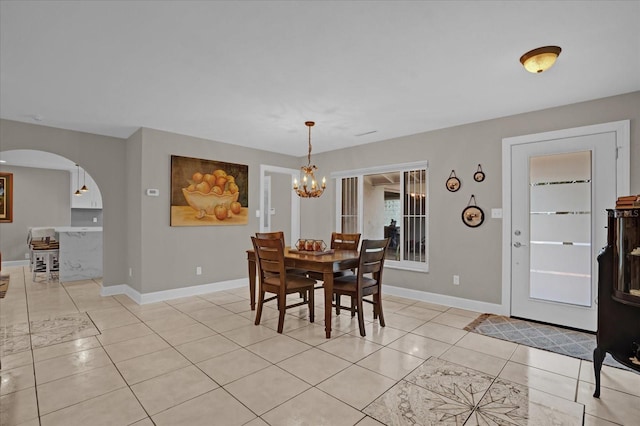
{"x":43,"y":186}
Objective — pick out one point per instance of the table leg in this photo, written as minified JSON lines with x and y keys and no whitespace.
{"x":252,"y":283}
{"x":328,"y":301}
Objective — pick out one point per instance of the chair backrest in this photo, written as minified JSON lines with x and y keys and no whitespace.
{"x":40,"y":234}
{"x":341,"y":241}
{"x":270,"y":256}
{"x":277,"y":235}
{"x":372,"y":255}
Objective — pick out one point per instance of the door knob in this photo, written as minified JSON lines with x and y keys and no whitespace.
{"x":517,"y":244}
{"x":517,"y":232}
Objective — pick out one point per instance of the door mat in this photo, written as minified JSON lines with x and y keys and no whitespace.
{"x":577,"y":344}
{"x":4,"y":285}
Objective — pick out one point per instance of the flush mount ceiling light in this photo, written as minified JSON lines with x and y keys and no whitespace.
{"x":540,"y":59}
{"x":314,"y":191}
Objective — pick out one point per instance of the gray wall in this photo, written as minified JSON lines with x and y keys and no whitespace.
{"x":104,"y":159}
{"x":474,"y":254}
{"x":84,"y":217}
{"x":169,"y":255}
{"x":134,"y":221}
{"x":138,"y":236}
{"x":41,"y":198}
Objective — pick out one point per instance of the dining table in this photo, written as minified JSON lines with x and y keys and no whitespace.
{"x":326,"y":263}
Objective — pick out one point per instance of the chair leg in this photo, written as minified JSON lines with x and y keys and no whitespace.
{"x":282,"y":308}
{"x":361,"y":317}
{"x":337,"y":303}
{"x":377,"y":299}
{"x":353,"y":307}
{"x":259,"y":310}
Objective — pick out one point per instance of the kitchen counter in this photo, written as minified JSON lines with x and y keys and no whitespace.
{"x":78,"y":228}
{"x":80,"y":252}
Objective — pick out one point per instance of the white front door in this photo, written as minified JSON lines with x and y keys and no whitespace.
{"x":560,"y":190}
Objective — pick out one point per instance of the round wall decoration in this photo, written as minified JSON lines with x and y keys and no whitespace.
{"x":478,"y":176}
{"x":453,"y":183}
{"x":472,"y":215}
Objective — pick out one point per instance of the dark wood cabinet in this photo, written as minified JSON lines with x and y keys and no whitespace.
{"x":619,"y":292}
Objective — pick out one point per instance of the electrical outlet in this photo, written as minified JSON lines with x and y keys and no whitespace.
{"x":198,"y":270}
{"x":26,"y":255}
{"x":95,"y":220}
{"x":456,"y":280}
{"x":130,"y":272}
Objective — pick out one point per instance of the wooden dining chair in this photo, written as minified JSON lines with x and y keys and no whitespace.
{"x":279,"y":235}
{"x":366,"y":281}
{"x":275,"y":279}
{"x":341,"y":241}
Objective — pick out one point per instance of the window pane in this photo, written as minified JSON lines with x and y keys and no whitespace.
{"x":389,"y":203}
{"x":349,"y":215}
{"x":560,"y":234}
{"x":415,"y":197}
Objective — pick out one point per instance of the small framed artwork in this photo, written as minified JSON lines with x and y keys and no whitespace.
{"x":453,"y":183}
{"x":472,"y":215}
{"x":478,"y":176}
{"x":6,"y":197}
{"x":208,"y":192}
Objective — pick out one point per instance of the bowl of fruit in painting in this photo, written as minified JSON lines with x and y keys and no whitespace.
{"x":215,"y":194}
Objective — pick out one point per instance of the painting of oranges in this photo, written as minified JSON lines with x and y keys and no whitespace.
{"x":208,"y":192}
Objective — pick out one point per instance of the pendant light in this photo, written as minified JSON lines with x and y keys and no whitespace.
{"x":84,"y":181}
{"x":315,"y":190}
{"x":78,"y":193}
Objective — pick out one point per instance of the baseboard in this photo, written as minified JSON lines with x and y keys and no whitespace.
{"x":441,"y":299}
{"x":10,"y":263}
{"x":161,"y":296}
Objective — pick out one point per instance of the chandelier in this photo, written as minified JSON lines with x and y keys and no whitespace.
{"x":306,"y":191}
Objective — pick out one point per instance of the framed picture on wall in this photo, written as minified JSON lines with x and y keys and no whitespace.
{"x":6,"y":197}
{"x":208,"y":192}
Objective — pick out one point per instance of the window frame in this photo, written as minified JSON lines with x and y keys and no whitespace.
{"x":392,"y":168}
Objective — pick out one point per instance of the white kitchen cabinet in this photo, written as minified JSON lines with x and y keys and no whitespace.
{"x":91,"y":199}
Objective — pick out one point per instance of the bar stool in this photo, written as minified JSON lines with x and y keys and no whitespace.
{"x":44,"y":258}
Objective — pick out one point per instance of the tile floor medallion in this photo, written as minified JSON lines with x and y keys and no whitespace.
{"x":440,"y":392}
{"x":37,"y":334}
{"x":14,"y":338}
{"x":436,"y":392}
{"x":508,"y":403}
{"x":61,"y":329}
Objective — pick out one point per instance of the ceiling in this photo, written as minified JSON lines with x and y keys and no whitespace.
{"x":251,"y":73}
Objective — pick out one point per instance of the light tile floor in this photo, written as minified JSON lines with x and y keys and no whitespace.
{"x":72,"y":357}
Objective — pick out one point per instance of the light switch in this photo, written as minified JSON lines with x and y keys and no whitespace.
{"x":496,"y":213}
